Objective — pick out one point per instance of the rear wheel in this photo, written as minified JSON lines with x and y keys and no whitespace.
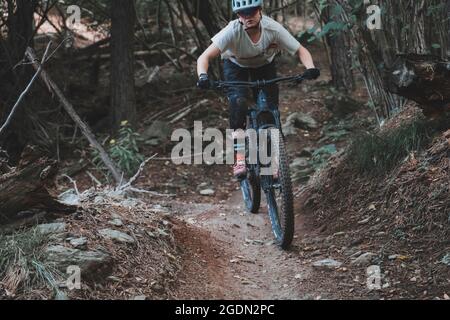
{"x":280,"y":197}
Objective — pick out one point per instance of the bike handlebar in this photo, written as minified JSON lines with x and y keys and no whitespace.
{"x":255,"y":84}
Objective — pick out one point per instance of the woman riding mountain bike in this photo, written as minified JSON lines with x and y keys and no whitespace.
{"x":248,"y":46}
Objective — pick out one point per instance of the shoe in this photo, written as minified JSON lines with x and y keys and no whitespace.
{"x":276,"y":174}
{"x":239,"y":168}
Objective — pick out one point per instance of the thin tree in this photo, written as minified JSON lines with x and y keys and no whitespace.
{"x":123,"y":99}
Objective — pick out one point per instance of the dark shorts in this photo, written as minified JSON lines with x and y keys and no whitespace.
{"x":239,"y":98}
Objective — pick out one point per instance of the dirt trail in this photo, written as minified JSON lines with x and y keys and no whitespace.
{"x":230,"y":254}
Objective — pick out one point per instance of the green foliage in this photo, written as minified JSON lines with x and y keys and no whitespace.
{"x":124,"y":150}
{"x":435,"y":9}
{"x":335,"y":131}
{"x":321,"y":155}
{"x":375,"y":153}
{"x":335,"y":25}
{"x":22,"y":261}
{"x":331,"y":28}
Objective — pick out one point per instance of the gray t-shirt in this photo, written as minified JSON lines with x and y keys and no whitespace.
{"x":235,"y":44}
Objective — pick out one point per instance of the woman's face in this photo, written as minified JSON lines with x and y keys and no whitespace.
{"x":250,"y":18}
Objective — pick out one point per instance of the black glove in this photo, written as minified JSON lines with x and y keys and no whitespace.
{"x":203,"y":81}
{"x":311,"y":74}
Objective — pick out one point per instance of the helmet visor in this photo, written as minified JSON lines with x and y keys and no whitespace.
{"x":248,"y":12}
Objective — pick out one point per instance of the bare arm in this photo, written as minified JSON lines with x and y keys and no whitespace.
{"x":203,"y":61}
{"x":305,"y":57}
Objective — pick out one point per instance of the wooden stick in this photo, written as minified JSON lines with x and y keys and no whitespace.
{"x":141,"y":168}
{"x":87,"y":132}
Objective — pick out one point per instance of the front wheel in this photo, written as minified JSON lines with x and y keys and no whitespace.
{"x":251,"y":191}
{"x":280,"y":198}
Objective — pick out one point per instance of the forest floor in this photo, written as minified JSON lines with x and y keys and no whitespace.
{"x":223,"y":252}
{"x":194,"y":246}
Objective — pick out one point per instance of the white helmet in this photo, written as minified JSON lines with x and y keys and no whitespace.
{"x":239,"y":5}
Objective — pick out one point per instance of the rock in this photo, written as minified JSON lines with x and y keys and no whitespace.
{"x":357,"y":242}
{"x":306,"y":152}
{"x":207,"y":192}
{"x":130,"y":203}
{"x":350,"y":251}
{"x":98,"y":200}
{"x":364,"y":259}
{"x":202,"y":185}
{"x":160,"y":209}
{"x":289,"y":129}
{"x":307,"y":297}
{"x":140,"y":297}
{"x":115,"y":216}
{"x":51,"y":228}
{"x":78,"y":242}
{"x":327,"y":264}
{"x":446,"y":259}
{"x":302,"y":121}
{"x":341,"y":104}
{"x":321,"y":156}
{"x":61,"y":296}
{"x":116,"y":235}
{"x":116,"y":222}
{"x":69,"y":197}
{"x":299,"y":163}
{"x":364,"y":221}
{"x":159,"y":131}
{"x":302,"y":175}
{"x":158,"y":288}
{"x":93,"y":264}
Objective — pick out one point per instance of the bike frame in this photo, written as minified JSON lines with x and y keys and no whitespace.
{"x":255,"y":113}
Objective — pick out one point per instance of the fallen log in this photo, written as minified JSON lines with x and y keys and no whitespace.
{"x":424,"y":79}
{"x":23,"y":188}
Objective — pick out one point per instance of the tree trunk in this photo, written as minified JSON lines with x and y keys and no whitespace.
{"x":436,"y":28}
{"x":209,"y":15}
{"x":20,"y":33}
{"x":341,"y":63}
{"x":341,"y":60}
{"x":123,"y":100}
{"x":20,"y":28}
{"x":448,"y":29}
